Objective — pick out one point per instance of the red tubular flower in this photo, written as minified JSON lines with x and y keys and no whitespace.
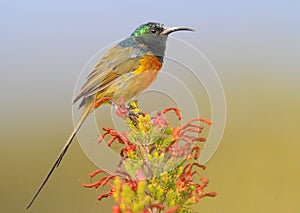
{"x":116,"y":209}
{"x":177,"y":111}
{"x":100,"y":171}
{"x":195,"y":149}
{"x":173,"y":209}
{"x":106,"y":195}
{"x":159,"y":120}
{"x":127,"y":149}
{"x":156,"y":205}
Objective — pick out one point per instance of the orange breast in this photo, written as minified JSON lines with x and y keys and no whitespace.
{"x":148,"y":63}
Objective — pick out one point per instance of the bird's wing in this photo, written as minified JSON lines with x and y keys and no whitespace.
{"x":116,"y":62}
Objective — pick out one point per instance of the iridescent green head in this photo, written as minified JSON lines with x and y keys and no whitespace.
{"x":154,"y":36}
{"x":156,"y":28}
{"x":148,"y":28}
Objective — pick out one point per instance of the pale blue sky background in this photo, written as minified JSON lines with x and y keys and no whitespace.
{"x":42,"y":40}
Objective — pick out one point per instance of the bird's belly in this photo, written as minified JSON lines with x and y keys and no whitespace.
{"x":130,"y":85}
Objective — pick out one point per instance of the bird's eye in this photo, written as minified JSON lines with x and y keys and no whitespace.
{"x":153,"y":30}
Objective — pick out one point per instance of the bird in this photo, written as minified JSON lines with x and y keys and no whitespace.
{"x":121,"y":74}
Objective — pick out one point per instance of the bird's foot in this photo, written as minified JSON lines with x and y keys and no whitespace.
{"x":121,"y":109}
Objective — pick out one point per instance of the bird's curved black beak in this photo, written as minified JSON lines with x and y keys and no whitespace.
{"x":169,"y":30}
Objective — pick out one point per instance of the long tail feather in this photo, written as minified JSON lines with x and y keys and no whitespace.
{"x":85,"y":113}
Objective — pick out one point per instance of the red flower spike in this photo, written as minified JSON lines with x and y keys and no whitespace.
{"x":197,"y":119}
{"x":106,"y":195}
{"x":187,"y":138}
{"x":128,"y":149}
{"x":156,"y":205}
{"x":100,"y":171}
{"x":212,"y":194}
{"x":200,"y":139}
{"x":101,"y":182}
{"x":116,"y":209}
{"x":177,"y":111}
{"x":115,"y":135}
{"x":101,"y":137}
{"x":173,"y":209}
{"x":104,"y":181}
{"x":205,"y":181}
{"x":209,"y":194}
{"x":91,"y":185}
{"x":206,"y":121}
{"x":190,"y":124}
{"x":186,"y":187}
{"x":159,"y":121}
{"x":197,"y":129}
{"x":195,"y":149}
{"x":189,"y":167}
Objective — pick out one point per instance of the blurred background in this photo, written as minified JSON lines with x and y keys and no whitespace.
{"x":253,"y":45}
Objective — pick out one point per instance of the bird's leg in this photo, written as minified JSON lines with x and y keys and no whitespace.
{"x":100,"y":101}
{"x":121,"y":109}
